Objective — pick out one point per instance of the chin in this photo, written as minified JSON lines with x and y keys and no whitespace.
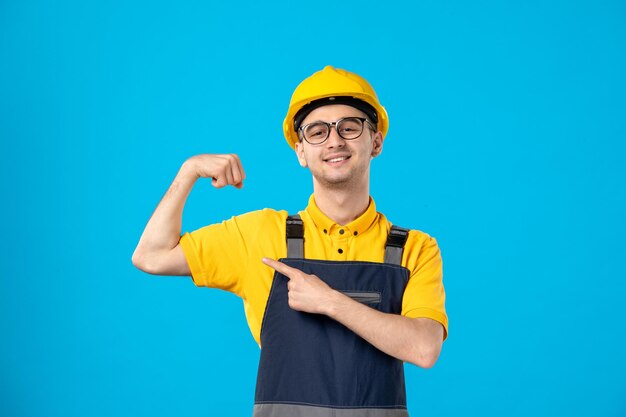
{"x":335,"y":182}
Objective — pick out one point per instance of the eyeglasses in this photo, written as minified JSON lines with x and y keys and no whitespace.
{"x":347,"y":128}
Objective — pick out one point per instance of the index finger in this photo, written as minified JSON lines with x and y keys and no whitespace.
{"x":284,"y":269}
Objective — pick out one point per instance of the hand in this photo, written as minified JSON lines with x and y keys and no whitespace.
{"x":307,"y":292}
{"x":224,"y":169}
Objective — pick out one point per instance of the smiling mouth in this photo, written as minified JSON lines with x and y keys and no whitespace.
{"x":338,"y":158}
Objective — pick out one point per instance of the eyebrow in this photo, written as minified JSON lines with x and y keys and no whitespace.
{"x":335,"y":121}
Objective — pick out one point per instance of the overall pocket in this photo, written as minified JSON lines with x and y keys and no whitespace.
{"x":365,"y":297}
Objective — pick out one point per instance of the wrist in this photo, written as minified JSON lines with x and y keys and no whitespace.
{"x":335,"y":301}
{"x":188,"y":170}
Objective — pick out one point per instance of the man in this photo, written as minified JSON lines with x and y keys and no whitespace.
{"x":352,"y":297}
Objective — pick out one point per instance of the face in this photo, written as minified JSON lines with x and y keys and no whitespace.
{"x":339,"y":163}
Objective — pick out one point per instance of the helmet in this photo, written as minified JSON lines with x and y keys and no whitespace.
{"x":329,"y":83}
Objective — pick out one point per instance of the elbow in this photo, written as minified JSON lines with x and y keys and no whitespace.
{"x":137,"y":260}
{"x":426,"y":362}
{"x":140,"y":262}
{"x":160,"y":262}
{"x":425,"y":356}
{"x":424,"y":347}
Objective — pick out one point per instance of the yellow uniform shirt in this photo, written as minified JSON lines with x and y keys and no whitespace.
{"x":228,"y":256}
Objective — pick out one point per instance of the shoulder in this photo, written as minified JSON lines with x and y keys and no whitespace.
{"x":246,"y":224}
{"x":259,"y":221}
{"x":421,"y":250}
{"x":416,"y":239}
{"x":419,"y":247}
{"x":266,"y":215}
{"x":420,"y":240}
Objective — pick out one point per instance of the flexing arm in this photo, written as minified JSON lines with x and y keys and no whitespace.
{"x":158,"y":251}
{"x":417,"y":340}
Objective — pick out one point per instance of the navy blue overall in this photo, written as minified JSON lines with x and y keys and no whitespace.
{"x":313,"y":366}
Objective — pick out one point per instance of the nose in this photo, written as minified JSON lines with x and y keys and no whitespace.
{"x":334,"y":140}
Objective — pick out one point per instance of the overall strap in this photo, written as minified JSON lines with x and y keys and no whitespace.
{"x":295,"y":241}
{"x":395,"y":245}
{"x":295,"y":237}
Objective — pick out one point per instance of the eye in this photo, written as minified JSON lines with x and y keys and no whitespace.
{"x":350,"y":126}
{"x":316,"y":130}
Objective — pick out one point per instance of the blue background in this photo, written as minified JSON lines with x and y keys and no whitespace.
{"x":506,"y":143}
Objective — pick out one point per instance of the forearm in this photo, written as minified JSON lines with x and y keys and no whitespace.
{"x":417,"y":341}
{"x":162,"y":232}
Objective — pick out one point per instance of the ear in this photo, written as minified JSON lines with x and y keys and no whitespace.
{"x":377,"y":143}
{"x":300,"y":154}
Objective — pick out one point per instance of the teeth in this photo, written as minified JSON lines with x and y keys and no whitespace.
{"x":341,"y":158}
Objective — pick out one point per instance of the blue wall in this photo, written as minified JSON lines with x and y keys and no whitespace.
{"x":506,"y":143}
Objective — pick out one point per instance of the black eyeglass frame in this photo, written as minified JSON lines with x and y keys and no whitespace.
{"x":336,"y":124}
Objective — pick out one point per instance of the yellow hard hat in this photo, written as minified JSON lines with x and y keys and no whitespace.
{"x":332,"y":86}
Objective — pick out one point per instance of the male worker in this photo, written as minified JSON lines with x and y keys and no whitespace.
{"x":351,"y":297}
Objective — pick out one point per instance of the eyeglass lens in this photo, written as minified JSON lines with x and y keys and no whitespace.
{"x":348,"y":128}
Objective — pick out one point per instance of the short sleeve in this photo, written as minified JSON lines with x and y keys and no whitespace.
{"x":218,"y":254}
{"x":424,"y":295}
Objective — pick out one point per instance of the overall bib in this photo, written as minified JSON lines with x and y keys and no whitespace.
{"x":313,"y":366}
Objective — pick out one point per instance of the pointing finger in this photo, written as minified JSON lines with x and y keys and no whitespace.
{"x":281,"y":267}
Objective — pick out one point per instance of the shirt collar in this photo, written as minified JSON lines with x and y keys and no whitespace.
{"x":359,"y":225}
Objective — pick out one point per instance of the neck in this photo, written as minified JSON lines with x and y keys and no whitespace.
{"x":342,"y":205}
